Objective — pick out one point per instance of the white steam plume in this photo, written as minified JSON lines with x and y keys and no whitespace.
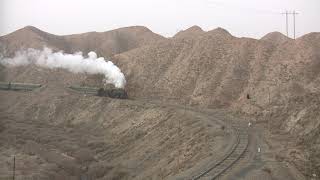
{"x":75,"y":63}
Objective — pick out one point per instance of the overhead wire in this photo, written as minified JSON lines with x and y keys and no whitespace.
{"x":247,"y":9}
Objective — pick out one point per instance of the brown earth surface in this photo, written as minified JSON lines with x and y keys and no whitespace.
{"x":55,"y":133}
{"x":104,"y":44}
{"x":203,"y":69}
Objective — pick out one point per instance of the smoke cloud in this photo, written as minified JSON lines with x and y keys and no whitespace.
{"x":75,"y":63}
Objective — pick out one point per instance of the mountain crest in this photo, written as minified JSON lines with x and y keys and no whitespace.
{"x":275,"y":37}
{"x":193,"y":31}
{"x":220,"y":31}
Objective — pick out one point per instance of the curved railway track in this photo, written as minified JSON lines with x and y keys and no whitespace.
{"x":235,"y":154}
{"x":221,"y":167}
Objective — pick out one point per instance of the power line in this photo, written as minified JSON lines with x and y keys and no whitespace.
{"x":249,"y":9}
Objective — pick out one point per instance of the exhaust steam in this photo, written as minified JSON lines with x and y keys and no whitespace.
{"x":75,"y":63}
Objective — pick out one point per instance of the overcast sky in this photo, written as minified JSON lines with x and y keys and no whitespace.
{"x":250,"y":18}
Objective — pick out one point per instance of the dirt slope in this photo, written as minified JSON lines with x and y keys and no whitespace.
{"x":216,"y":69}
{"x":209,"y":69}
{"x":276,"y":38}
{"x":56,"y":133}
{"x":191,"y":32}
{"x":104,"y":43}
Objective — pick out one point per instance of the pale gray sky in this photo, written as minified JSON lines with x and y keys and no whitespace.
{"x":250,"y":18}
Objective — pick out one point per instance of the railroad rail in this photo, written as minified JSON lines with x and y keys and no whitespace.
{"x":237,"y":151}
{"x":235,"y":154}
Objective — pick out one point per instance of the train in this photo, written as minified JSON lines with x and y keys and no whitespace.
{"x":105,"y":91}
{"x":118,"y":93}
{"x":18,"y":86}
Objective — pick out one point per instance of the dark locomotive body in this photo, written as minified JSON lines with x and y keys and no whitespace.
{"x":113,"y":93}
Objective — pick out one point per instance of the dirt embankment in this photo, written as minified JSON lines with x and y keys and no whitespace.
{"x":206,"y":69}
{"x":56,"y":133}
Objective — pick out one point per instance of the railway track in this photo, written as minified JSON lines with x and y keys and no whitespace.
{"x":235,"y":154}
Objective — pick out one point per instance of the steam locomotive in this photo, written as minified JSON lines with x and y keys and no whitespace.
{"x":113,"y":93}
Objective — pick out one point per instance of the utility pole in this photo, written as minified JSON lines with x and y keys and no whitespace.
{"x":294,"y":13}
{"x":294,"y":24}
{"x":287,"y":23}
{"x":287,"y":27}
{"x":14,"y":168}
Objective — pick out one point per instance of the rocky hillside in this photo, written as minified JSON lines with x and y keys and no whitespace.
{"x":274,"y":76}
{"x":104,"y":43}
{"x":258,"y":77}
{"x":56,"y":133}
{"x":216,"y":69}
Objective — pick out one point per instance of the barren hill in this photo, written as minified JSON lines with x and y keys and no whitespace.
{"x":216,"y":69}
{"x":191,"y":32}
{"x":208,"y":69}
{"x":276,"y":38}
{"x":55,"y":133}
{"x":104,"y":43}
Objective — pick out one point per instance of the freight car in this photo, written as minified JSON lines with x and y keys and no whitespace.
{"x":10,"y":86}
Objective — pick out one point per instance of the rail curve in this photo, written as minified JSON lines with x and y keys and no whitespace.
{"x":237,"y":151}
